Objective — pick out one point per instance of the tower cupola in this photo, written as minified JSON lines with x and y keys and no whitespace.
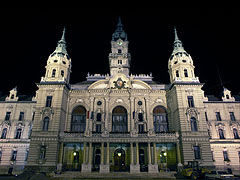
{"x":119,"y":58}
{"x":59,"y":65}
{"x":180,"y":64}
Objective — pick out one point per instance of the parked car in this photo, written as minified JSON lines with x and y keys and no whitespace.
{"x":219,"y":175}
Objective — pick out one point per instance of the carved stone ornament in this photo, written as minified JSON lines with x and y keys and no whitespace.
{"x":159,"y":100}
{"x":189,"y":91}
{"x":119,"y":100}
{"x":79,"y":100}
{"x":119,"y":83}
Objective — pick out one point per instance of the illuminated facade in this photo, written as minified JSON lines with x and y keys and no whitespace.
{"x":124,"y":122}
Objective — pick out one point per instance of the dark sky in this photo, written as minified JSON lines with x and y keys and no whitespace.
{"x":29,"y":36}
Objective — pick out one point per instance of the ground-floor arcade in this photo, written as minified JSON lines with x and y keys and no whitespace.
{"x":105,"y":157}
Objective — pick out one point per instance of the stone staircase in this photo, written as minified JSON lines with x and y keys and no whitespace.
{"x":114,"y":175}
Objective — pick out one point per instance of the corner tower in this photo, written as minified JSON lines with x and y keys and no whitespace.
{"x":119,"y":58}
{"x":185,"y":101}
{"x":180,"y":64}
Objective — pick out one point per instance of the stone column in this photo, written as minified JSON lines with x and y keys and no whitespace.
{"x":106,"y":120}
{"x":180,"y":165}
{"x":131,"y":146}
{"x":152,"y":168}
{"x":132,"y":109}
{"x":149,"y":118}
{"x":104,"y":168}
{"x":134,"y":168}
{"x":137,"y":154}
{"x":60,"y":154}
{"x":155,"y":153}
{"x":149,"y":155}
{"x":87,"y":167}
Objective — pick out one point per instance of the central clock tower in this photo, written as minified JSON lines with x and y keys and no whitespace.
{"x":119,"y":58}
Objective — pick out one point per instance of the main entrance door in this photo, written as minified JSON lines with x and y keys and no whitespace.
{"x":119,"y":160}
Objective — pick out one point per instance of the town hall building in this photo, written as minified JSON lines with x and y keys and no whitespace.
{"x":118,"y":121}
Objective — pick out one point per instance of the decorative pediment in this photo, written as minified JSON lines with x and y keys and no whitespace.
{"x":119,"y":81}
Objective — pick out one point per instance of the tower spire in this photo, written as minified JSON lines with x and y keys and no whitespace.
{"x":177,"y":44}
{"x":61,"y":46}
{"x":119,"y":32}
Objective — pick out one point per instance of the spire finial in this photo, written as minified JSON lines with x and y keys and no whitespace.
{"x":63,"y":35}
{"x":119,"y":22}
{"x":175,"y":32}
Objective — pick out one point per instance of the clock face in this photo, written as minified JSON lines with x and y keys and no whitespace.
{"x":119,"y":83}
{"x":120,"y":42}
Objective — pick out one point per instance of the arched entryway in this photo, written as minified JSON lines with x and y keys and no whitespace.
{"x":119,"y":160}
{"x":119,"y":119}
{"x":97,"y":160}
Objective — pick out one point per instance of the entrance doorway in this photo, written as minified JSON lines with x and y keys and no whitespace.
{"x":97,"y":160}
{"x":143,"y":167}
{"x":119,"y":160}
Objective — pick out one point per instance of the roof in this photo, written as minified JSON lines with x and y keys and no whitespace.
{"x":21,"y":98}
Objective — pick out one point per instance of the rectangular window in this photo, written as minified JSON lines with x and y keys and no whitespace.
{"x":232,"y":116}
{"x":49,"y":101}
{"x":14,"y":156}
{"x":140,"y":128}
{"x":239,"y":156}
{"x":197,"y":153}
{"x":7,"y":117}
{"x":42,"y":153}
{"x":21,"y":116}
{"x":218,"y":116}
{"x":190,"y":101}
{"x":225,"y":156}
{"x":212,"y":155}
{"x":33,"y":115}
{"x":0,"y":155}
{"x":98,"y":128}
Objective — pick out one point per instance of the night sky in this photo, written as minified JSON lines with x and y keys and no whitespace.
{"x":29,"y":36}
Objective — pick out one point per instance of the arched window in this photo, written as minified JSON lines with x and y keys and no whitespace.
{"x":160,"y":119}
{"x":18,"y":133}
{"x":235,"y":133}
{"x":221,"y":134}
{"x":4,"y":133}
{"x":78,"y":123}
{"x":53,"y":72}
{"x":193,"y":122}
{"x":119,"y":119}
{"x":62,"y":73}
{"x":185,"y":73}
{"x":177,"y":73}
{"x":45,"y":124}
